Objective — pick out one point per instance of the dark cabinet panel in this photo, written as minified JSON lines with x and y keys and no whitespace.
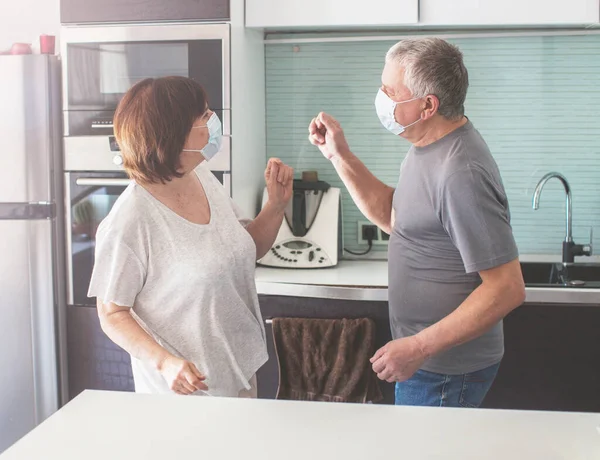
{"x":552,"y":360}
{"x":87,"y":11}
{"x":299,"y":307}
{"x":94,"y":361}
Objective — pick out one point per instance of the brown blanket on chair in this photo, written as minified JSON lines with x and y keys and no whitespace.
{"x":326,"y":359}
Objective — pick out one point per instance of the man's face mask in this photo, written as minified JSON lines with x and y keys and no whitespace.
{"x":386,"y":109}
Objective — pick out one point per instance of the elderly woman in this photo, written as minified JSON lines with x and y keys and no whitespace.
{"x":175,"y":261}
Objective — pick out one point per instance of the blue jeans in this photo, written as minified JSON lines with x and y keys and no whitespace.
{"x":431,"y":389}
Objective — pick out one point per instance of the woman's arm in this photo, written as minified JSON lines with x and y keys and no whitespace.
{"x":117,"y":323}
{"x":264,"y":229}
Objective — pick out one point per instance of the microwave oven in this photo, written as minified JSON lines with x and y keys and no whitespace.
{"x":100,"y":63}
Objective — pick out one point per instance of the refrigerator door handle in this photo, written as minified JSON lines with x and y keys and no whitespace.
{"x":41,"y":210}
{"x":42,"y":289}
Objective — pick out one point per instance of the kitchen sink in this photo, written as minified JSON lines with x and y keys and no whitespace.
{"x":576,"y":275}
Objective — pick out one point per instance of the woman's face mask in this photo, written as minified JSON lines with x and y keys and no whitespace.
{"x":215,"y":137}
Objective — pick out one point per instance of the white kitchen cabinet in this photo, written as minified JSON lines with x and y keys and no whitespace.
{"x":330,"y":13}
{"x":508,"y":12}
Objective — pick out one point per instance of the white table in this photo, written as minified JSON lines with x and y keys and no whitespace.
{"x":114,"y":426}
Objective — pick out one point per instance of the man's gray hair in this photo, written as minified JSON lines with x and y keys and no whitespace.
{"x":433,"y":66}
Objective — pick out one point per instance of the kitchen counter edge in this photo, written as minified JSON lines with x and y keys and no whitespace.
{"x":560,"y":296}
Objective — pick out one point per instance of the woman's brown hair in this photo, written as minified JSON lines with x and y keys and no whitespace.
{"x":152,"y":123}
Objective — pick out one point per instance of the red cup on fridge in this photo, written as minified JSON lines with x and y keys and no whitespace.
{"x":47,"y":44}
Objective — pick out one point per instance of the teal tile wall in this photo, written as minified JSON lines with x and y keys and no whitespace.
{"x":536,"y":100}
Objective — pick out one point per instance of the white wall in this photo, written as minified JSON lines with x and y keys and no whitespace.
{"x":25,"y":20}
{"x":248,"y":154}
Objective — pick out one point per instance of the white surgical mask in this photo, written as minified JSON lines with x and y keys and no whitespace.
{"x":386,"y":109}
{"x":215,"y":136}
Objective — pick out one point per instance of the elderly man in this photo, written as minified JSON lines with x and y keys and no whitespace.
{"x":454,"y":271}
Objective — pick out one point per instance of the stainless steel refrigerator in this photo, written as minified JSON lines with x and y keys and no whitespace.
{"x":31,"y":249}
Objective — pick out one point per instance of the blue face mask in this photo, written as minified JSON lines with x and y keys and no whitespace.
{"x":215,"y":137}
{"x":386,"y":110}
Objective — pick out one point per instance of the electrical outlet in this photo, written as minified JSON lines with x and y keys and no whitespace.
{"x":363,"y":227}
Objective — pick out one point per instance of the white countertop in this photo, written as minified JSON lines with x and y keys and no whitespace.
{"x":129,"y":426}
{"x":368,"y":280}
{"x":353,"y":273}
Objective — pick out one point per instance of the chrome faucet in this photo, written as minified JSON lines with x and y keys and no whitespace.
{"x":570,"y":250}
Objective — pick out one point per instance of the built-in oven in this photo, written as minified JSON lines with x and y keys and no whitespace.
{"x":100,"y":63}
{"x":90,"y":196}
{"x":94,"y":361}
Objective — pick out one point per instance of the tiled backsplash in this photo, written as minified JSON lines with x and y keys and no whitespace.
{"x":535,"y":99}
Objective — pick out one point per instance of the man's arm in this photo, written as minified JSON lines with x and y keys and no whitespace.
{"x":373,"y":197}
{"x":501,"y":291}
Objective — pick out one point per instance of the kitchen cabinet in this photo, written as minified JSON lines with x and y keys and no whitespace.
{"x":89,"y":11}
{"x":289,"y":14}
{"x":94,"y":362}
{"x":301,"y":307}
{"x":330,"y":13}
{"x":551,"y":360}
{"x":508,"y":12}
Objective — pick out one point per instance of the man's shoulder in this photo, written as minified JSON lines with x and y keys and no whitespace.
{"x":468,"y":153}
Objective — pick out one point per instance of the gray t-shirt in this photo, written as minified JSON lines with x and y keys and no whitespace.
{"x":452,"y":221}
{"x":190,"y":286}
